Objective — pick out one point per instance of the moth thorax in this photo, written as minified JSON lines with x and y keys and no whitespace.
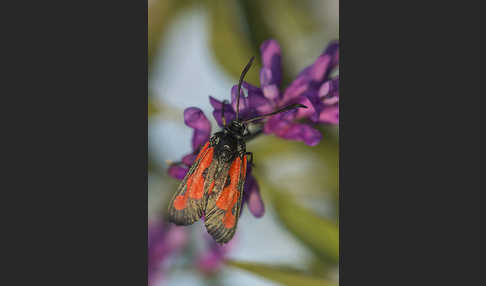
{"x":226,"y":153}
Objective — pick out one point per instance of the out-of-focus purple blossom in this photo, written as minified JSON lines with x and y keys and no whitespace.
{"x":213,"y":257}
{"x":195,"y":118}
{"x":164,"y":240}
{"x":178,"y":171}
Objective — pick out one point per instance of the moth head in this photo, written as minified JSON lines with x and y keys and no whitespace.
{"x":237,"y":128}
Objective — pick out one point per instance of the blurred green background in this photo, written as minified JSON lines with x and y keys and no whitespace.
{"x":198,"y":48}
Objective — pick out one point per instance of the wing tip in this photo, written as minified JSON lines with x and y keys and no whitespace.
{"x":183,"y":217}
{"x":218,"y":232}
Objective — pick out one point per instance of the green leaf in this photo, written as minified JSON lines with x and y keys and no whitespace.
{"x":282,"y":275}
{"x":264,"y":21}
{"x":258,"y":30}
{"x":320,"y":235}
{"x":153,"y":109}
{"x":328,"y":152}
{"x":160,"y":15}
{"x":228,"y":40}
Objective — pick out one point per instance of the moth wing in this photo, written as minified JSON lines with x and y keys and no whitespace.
{"x":224,"y":200}
{"x":187,"y":204}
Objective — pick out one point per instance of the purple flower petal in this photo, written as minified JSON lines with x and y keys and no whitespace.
{"x":265,"y":76}
{"x":252,"y":196}
{"x":199,"y":138}
{"x":302,"y":113}
{"x":320,"y":68}
{"x":216,"y":104}
{"x":260,"y":104}
{"x":316,"y":104}
{"x":283,"y":126}
{"x":330,"y":88}
{"x":195,"y":118}
{"x":328,"y":102}
{"x":311,"y":77}
{"x":298,"y":86}
{"x":304,"y":133}
{"x":229,"y":113}
{"x":271,"y":60}
{"x":252,"y":105}
{"x":271,"y":92}
{"x":333,"y":51}
{"x":330,"y":115}
{"x":326,"y":62}
{"x":178,"y":172}
{"x":274,"y":123}
{"x":189,"y":159}
{"x":257,"y":102}
{"x":251,"y":88}
{"x":244,"y":104}
{"x":324,"y":89}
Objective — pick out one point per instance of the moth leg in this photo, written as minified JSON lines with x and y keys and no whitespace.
{"x":222,"y":113}
{"x":250,"y":154}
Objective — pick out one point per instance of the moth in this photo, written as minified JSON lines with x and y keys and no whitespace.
{"x":213,"y":186}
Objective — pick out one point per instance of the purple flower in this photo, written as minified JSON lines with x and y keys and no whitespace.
{"x":213,"y":257}
{"x":321,"y":91}
{"x":285,"y":126}
{"x":195,"y":118}
{"x":164,"y":240}
{"x":229,"y":113}
{"x":270,"y":74}
{"x":312,"y":88}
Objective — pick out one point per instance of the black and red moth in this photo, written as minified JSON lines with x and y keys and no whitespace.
{"x":213,"y":186}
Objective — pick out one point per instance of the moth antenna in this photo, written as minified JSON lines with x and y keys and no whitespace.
{"x":288,"y":107}
{"x":242,"y":76}
{"x":223,"y":120}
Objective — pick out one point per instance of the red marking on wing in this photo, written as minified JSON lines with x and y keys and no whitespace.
{"x":229,"y":195}
{"x":202,"y":151}
{"x":244,"y":167}
{"x":180,"y":201}
{"x":226,"y":196}
{"x":211,"y":187}
{"x":194,"y":188}
{"x":197,"y":187}
{"x":229,"y":219}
